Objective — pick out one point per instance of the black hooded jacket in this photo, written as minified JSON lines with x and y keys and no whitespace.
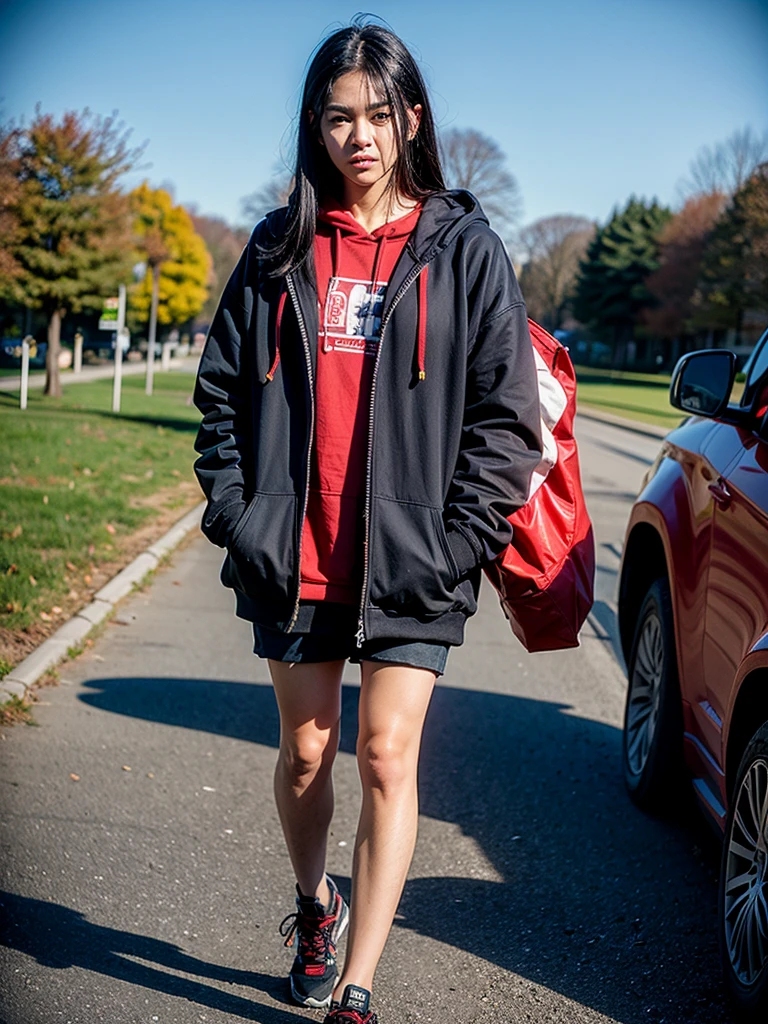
{"x":453,"y":428}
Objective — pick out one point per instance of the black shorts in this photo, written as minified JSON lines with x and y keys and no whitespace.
{"x":330,"y":636}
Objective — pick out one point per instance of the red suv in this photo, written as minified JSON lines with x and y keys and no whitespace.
{"x":693,"y":620}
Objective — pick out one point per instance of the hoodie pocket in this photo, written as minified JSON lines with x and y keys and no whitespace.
{"x":411,"y":566}
{"x":262,"y":549}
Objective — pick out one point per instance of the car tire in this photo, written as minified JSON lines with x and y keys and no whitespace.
{"x":652,"y":742}
{"x":743,"y":887}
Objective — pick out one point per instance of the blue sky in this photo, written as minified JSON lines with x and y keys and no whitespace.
{"x":591,"y":100}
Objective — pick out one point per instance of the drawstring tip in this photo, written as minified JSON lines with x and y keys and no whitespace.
{"x":270,"y":376}
{"x":422,"y":375}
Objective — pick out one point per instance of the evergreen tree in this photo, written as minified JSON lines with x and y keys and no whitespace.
{"x":611,"y":291}
{"x":71,"y":243}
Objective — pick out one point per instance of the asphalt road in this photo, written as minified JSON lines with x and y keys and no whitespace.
{"x":151,"y":888}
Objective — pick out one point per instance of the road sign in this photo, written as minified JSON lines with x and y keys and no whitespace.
{"x":109,"y":314}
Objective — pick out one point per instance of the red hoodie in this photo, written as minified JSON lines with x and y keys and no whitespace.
{"x":353,"y":269}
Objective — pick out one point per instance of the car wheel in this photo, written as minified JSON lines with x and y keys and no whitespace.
{"x":653,"y":718}
{"x":743,"y":916}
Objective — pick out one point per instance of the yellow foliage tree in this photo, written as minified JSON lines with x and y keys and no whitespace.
{"x":167,"y":238}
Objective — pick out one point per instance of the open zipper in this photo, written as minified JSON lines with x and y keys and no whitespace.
{"x":360,"y":635}
{"x":308,"y":357}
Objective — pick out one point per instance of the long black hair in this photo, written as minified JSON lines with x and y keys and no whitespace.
{"x":392,"y":71}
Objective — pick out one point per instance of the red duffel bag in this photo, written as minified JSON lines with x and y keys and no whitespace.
{"x":545,"y":579}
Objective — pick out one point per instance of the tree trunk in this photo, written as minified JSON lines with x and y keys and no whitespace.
{"x":52,"y":373}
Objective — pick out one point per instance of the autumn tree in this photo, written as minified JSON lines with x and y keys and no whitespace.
{"x":10,"y":189}
{"x":611,"y":289}
{"x":734,"y":275}
{"x":553,"y":247}
{"x":727,"y":166}
{"x":682,"y":241}
{"x":167,"y":240}
{"x":476,"y":162}
{"x":71,"y":242}
{"x":225,"y":245}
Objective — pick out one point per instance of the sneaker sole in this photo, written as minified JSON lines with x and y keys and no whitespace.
{"x":311,"y":1001}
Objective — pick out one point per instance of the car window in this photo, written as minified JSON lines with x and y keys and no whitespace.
{"x":755,"y":370}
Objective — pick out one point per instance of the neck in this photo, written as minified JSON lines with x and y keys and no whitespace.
{"x":375,"y":205}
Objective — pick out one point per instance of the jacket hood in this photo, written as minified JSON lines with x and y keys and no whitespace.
{"x":444,"y":216}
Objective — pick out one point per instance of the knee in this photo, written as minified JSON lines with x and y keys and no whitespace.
{"x":385,"y":765}
{"x":305,"y":757}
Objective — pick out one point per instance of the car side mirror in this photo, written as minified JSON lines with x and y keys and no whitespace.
{"x":702,"y":382}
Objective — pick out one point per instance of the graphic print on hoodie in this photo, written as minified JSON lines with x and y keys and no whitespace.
{"x":353,"y":269}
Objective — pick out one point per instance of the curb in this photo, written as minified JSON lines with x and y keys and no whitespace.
{"x":636,"y":427}
{"x":53,"y":650}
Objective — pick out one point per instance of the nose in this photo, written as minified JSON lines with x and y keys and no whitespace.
{"x":361,"y":132}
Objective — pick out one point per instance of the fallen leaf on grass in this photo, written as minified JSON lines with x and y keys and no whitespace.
{"x":71,"y":567}
{"x":56,"y":610}
{"x":17,"y":531}
{"x":87,"y":579}
{"x":91,"y":549}
{"x":33,"y":581}
{"x":12,"y":569}
{"x":45,"y":499}
{"x":110,"y":528}
{"x":45,"y":616}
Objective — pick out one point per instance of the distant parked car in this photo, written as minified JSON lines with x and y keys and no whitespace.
{"x":693,"y":617}
{"x":10,"y":353}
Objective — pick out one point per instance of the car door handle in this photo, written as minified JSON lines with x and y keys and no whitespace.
{"x":720,"y":493}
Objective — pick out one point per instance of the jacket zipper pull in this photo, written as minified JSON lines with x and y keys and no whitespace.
{"x":360,"y":635}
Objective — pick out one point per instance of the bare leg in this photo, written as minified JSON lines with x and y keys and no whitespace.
{"x":309,"y":701}
{"x":393,"y":705}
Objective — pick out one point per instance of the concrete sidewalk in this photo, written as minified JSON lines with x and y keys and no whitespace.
{"x":37,"y":379}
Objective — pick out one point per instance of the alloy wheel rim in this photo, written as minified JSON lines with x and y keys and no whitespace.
{"x":645,"y":690}
{"x":746,"y":877}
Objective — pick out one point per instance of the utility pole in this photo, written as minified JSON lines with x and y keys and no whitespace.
{"x":152,"y":328}
{"x":118,"y":379}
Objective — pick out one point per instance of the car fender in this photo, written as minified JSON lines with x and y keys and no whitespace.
{"x":667,"y":506}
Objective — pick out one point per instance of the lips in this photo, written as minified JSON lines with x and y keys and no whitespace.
{"x":362,"y":162}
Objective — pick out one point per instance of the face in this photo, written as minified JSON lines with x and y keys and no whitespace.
{"x":358,"y":130}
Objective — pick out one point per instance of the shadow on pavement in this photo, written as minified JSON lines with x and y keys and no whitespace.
{"x":588,"y":896}
{"x":58,"y":937}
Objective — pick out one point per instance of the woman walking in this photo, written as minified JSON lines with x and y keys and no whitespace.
{"x":370,"y":419}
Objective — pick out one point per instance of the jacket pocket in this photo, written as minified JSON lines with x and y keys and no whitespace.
{"x":412,"y":569}
{"x":262,"y":548}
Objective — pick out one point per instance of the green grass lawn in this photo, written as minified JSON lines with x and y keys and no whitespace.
{"x":82,"y":491}
{"x":635,"y":396}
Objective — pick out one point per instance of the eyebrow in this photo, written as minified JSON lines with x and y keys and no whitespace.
{"x":348,"y":110}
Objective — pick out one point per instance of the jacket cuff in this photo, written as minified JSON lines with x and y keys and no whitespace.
{"x":463,"y":553}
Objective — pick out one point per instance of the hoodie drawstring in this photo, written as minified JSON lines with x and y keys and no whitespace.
{"x":422,"y":323}
{"x":278,"y":323}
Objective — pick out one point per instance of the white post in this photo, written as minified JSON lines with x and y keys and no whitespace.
{"x":24,"y":372}
{"x":152,"y":329}
{"x":118,"y":381}
{"x":165,"y":356}
{"x":77,"y":362}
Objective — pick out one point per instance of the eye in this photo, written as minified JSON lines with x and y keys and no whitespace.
{"x":338,"y":119}
{"x":381,"y":117}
